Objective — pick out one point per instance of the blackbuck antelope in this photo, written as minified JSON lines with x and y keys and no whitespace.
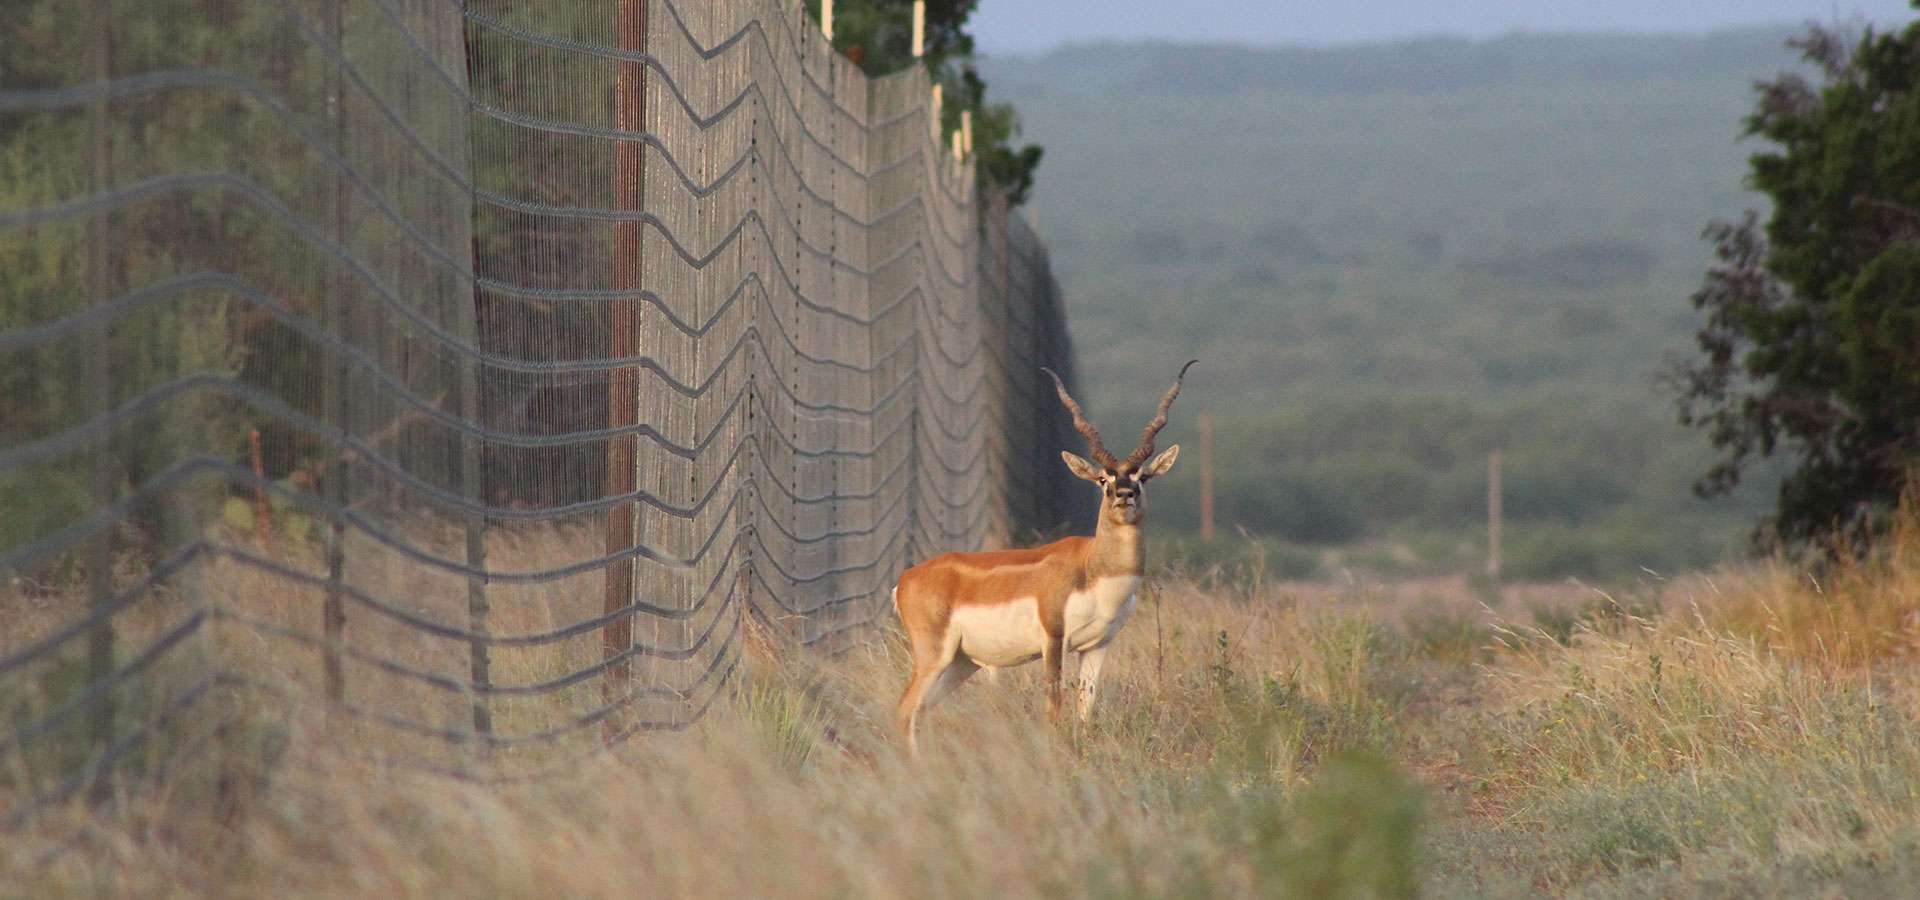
{"x":965,"y":611}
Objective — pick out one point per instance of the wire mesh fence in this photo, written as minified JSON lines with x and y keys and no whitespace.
{"x":477,"y":370}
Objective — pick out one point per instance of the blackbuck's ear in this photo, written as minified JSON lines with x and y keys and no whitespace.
{"x":1161,"y":463}
{"x":1081,"y":467}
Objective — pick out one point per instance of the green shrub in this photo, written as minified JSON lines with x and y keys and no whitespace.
{"x":788,"y":721}
{"x":1354,"y":831}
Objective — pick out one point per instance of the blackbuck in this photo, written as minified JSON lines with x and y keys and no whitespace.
{"x":965,"y":611}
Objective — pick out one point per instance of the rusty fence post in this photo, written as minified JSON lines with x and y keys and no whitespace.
{"x":623,"y":410}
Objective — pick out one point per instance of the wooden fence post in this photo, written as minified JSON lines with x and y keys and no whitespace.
{"x":1206,"y":474}
{"x":1493,"y":513}
{"x":99,"y":378}
{"x":262,"y":508}
{"x":629,"y":188}
{"x":919,"y":28}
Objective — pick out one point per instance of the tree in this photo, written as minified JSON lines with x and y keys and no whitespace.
{"x":1811,"y":344}
{"x":878,"y":35}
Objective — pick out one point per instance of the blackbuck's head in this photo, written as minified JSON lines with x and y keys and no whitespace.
{"x":1122,"y":481}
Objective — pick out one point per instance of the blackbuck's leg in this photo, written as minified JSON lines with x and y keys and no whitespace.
{"x":931,"y":659}
{"x":1089,"y":680}
{"x":1053,"y":630}
{"x":1069,"y":668}
{"x":909,"y":709}
{"x":1050,"y":653}
{"x":956,"y":673}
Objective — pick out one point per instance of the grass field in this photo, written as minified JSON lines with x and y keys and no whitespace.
{"x":1754,"y":731}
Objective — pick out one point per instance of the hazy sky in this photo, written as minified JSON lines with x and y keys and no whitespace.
{"x":1015,"y":26}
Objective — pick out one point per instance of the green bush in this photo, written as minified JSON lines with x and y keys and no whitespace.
{"x":34,"y":502}
{"x":1354,"y":831}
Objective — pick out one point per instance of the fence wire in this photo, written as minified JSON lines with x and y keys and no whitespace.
{"x":477,"y":369}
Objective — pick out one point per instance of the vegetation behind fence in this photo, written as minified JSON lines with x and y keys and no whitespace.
{"x":481,"y":368}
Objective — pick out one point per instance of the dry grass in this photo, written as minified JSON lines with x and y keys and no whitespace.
{"x":1752,"y":732}
{"x":1849,"y":615}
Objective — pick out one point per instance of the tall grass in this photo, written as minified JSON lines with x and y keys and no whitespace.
{"x":1751,"y":732}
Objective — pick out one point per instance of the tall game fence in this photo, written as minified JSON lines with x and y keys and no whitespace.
{"x":477,"y":370}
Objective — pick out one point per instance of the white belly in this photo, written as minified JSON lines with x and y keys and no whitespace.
{"x":1096,"y":614}
{"x":1001,"y":634}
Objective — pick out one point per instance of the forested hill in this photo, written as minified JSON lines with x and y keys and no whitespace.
{"x":1392,"y":259}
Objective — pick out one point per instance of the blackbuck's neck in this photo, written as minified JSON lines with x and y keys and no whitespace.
{"x":1117,"y":550}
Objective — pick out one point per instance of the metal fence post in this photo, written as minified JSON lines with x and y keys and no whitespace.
{"x":473,"y":485}
{"x":333,"y":385}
